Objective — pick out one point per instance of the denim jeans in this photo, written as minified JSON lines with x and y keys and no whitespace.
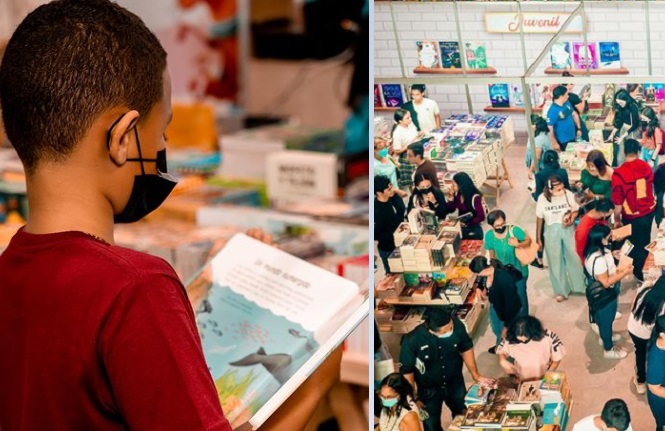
{"x":641,"y":237}
{"x":496,"y":324}
{"x":604,"y":318}
{"x":384,"y":259}
{"x":641,"y":348}
{"x":524,"y":299}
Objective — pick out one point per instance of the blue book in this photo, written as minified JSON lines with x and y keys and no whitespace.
{"x":393,"y":95}
{"x":499,"y":95}
{"x":450,"y":55}
{"x":610,"y":56}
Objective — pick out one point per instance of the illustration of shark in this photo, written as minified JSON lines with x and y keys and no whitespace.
{"x":279,"y":365}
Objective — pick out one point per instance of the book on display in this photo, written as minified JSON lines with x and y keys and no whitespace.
{"x":428,"y":54}
{"x":393,"y":95}
{"x":267,"y":320}
{"x":610,"y":55}
{"x":585,"y":55}
{"x":560,"y":55}
{"x":499,"y":95}
{"x":450,"y":55}
{"x":476,"y":57}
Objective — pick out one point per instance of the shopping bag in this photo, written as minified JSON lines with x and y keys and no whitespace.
{"x":526,"y":255}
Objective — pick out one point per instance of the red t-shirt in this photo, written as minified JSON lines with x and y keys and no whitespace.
{"x":582,"y":233}
{"x":632,"y":188}
{"x":98,"y":337}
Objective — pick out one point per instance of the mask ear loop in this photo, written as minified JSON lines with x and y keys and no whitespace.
{"x":138,"y":145}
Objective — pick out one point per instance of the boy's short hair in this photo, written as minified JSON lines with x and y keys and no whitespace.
{"x":417,"y":149}
{"x":381,"y":183}
{"x":631,"y":146}
{"x":559,"y":91}
{"x":615,"y":414}
{"x":418,"y":87}
{"x":66,"y":64}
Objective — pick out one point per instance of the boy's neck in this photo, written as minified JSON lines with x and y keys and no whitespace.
{"x":60,"y":204}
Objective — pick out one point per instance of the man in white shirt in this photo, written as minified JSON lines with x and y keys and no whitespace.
{"x":427,"y":116}
{"x":614,"y":417}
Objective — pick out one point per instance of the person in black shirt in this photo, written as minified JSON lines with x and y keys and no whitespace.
{"x":580,"y":105}
{"x":426,"y":196}
{"x":659,"y":190}
{"x":388,"y":214}
{"x":499,"y":284}
{"x":551,"y":167}
{"x":431,"y":358}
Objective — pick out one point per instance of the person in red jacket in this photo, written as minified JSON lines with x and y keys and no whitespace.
{"x":634,"y":202}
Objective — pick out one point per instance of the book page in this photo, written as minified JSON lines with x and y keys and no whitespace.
{"x":287,"y":286}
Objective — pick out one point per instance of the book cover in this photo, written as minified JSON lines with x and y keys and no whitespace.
{"x":585,"y":56}
{"x":517,"y":420}
{"x":428,"y":54}
{"x":499,"y":95}
{"x":610,"y":55}
{"x":658,"y":91}
{"x":473,"y":412}
{"x":560,"y":55}
{"x":266,"y":320}
{"x":393,"y":95}
{"x":516,"y":95}
{"x":490,"y":419}
{"x":450,"y":55}
{"x":529,"y":392}
{"x":476,"y":57}
{"x":552,"y":381}
{"x":378,"y":102}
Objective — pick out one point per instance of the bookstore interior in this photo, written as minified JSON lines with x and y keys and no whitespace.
{"x":252,"y":147}
{"x":508,"y":141}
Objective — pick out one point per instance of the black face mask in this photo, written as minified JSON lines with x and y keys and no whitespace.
{"x":425,"y":191}
{"x":501,"y":229}
{"x":149,"y":190}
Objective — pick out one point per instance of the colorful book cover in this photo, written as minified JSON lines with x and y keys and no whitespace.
{"x":517,"y":419}
{"x":378,"y":103}
{"x":585,"y":56}
{"x":450,"y":55}
{"x":428,"y":54}
{"x":516,"y":95}
{"x":610,"y":55}
{"x":475,"y":55}
{"x":657,"y":91}
{"x":499,"y":95}
{"x":262,"y":320}
{"x":393,"y":95}
{"x":560,"y":55}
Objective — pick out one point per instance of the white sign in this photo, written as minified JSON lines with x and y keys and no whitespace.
{"x":537,"y":22}
{"x":297,"y":175}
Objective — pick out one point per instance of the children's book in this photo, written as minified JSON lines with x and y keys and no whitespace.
{"x":378,"y":101}
{"x":516,"y":95}
{"x":499,"y":95}
{"x":560,"y":55}
{"x":658,"y":91}
{"x":267,"y":320}
{"x":450,"y":55}
{"x":428,"y":54}
{"x":393,"y":95}
{"x":585,"y":56}
{"x":610,"y":56}
{"x":475,"y":55}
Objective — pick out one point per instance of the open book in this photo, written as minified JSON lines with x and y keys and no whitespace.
{"x":267,"y":320}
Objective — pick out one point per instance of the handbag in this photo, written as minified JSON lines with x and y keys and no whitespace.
{"x":597,"y":295}
{"x":526,"y":255}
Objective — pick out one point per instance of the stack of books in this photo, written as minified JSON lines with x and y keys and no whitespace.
{"x":400,"y":234}
{"x":407,"y":250}
{"x":389,"y":286}
{"x":457,"y":290}
{"x":395,"y":261}
{"x":421,"y":292}
{"x":415,"y":317}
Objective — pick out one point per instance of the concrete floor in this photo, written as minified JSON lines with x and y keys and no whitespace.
{"x":593,"y":379}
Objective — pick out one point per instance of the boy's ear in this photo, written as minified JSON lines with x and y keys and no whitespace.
{"x":120,"y":134}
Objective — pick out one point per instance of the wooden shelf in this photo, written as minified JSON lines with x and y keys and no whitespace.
{"x":510,"y":109}
{"x":384,"y":109}
{"x":582,"y":72}
{"x":442,"y":71}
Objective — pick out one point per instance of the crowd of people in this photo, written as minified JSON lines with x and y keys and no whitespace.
{"x":578,"y":228}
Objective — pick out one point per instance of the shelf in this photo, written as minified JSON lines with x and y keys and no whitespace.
{"x":581,"y":72}
{"x":418,"y":303}
{"x":510,"y":109}
{"x":442,"y":71}
{"x":384,"y":109}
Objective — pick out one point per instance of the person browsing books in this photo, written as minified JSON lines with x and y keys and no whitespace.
{"x":562,"y":119}
{"x":383,"y":164}
{"x":599,"y":265}
{"x":550,"y":167}
{"x":652,"y":136}
{"x":542,"y":144}
{"x":599,"y":213}
{"x":498,"y":283}
{"x":388,"y":214}
{"x":404,"y":134}
{"x":416,"y":156}
{"x":424,"y":111}
{"x":579,"y":103}
{"x":467,"y":200}
{"x":626,"y":121}
{"x":529,"y":350}
{"x":399,"y":412}
{"x":656,"y":374}
{"x":596,"y":178}
{"x":426,"y":196}
{"x":501,"y":242}
{"x":431,"y":358}
{"x":614,"y":417}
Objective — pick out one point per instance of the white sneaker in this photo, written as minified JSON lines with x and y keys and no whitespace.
{"x":615,"y":338}
{"x":615,"y":353}
{"x":595,"y":330}
{"x":618,"y":315}
{"x":641,"y":388}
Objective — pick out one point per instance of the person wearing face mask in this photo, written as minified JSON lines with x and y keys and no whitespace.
{"x":431,"y":358}
{"x":426,"y":196}
{"x":626,"y":121}
{"x":579,"y":103}
{"x":614,"y":417}
{"x":563,"y":120}
{"x":501,"y":242}
{"x":498,"y":284}
{"x":596,"y":179}
{"x":542,"y":144}
{"x":383,"y":165}
{"x":467,"y":200}
{"x":404,"y":134}
{"x":399,"y":412}
{"x":652,"y":136}
{"x":529,"y":350}
{"x":557,"y":209}
{"x":598,"y":212}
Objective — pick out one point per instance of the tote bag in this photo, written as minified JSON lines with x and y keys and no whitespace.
{"x":526,"y":255}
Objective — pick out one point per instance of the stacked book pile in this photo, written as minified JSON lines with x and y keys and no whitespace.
{"x":418,"y":293}
{"x":395,"y":261}
{"x":470,"y":162}
{"x":402,"y":231}
{"x":389,"y":286}
{"x":469,"y":311}
{"x":457,"y":290}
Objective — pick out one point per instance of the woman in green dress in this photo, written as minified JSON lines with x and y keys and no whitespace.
{"x":597,"y":177}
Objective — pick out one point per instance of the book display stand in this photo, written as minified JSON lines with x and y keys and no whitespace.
{"x":442,"y":71}
{"x":582,"y":72}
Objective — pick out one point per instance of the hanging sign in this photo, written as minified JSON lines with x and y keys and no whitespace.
{"x":536,"y":22}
